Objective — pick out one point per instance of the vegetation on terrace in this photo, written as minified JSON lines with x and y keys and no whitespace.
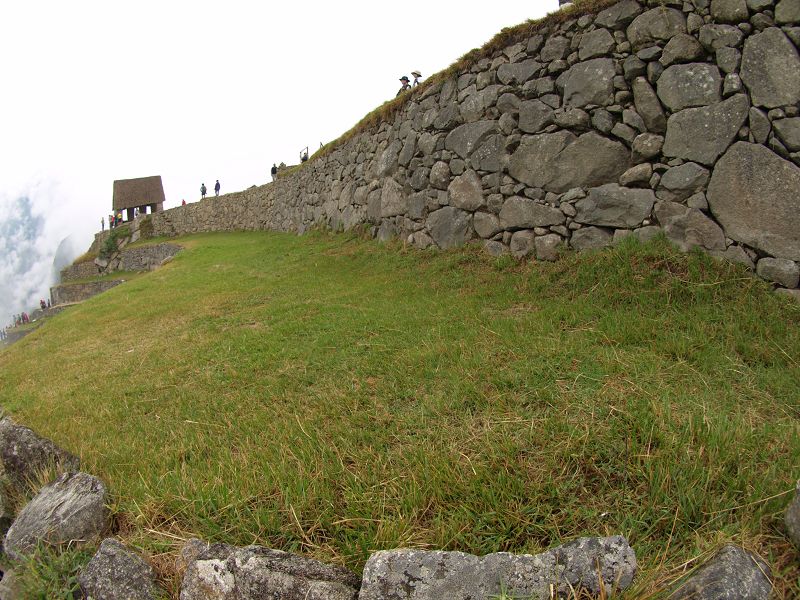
{"x":330,"y":396}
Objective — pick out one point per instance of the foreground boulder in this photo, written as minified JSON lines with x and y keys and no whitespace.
{"x":72,"y":508}
{"x":23,"y":454}
{"x":733,"y":574}
{"x":118,"y":573}
{"x":255,"y":573}
{"x":423,"y":575}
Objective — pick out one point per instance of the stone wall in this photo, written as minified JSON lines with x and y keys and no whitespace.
{"x":670,"y":116}
{"x":84,"y":270}
{"x":78,"y":292}
{"x":140,"y":258}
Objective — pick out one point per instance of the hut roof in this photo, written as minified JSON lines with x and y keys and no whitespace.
{"x":130,"y":193}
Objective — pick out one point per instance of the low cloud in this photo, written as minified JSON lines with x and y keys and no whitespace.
{"x":35,"y":228}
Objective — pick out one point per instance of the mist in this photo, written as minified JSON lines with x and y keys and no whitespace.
{"x":39,"y":235}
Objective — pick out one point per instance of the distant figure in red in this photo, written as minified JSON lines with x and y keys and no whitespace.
{"x":43,"y":304}
{"x":183,"y":202}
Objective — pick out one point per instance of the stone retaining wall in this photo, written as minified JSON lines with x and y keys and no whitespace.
{"x":78,"y":292}
{"x":141,"y":258}
{"x":670,"y":116}
{"x":84,"y":270}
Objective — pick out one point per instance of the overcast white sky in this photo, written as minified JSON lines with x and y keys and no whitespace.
{"x":197,"y":91}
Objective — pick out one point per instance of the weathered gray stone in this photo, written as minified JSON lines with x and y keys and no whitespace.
{"x":680,"y":49}
{"x":729,"y":59}
{"x":646,"y":146}
{"x":389,"y":159}
{"x":590,"y":238}
{"x":560,"y":161}
{"x":733,"y":574}
{"x":495,"y":248}
{"x":792,"y":516}
{"x":440,"y":175}
{"x":465,"y":192}
{"x":23,"y":453}
{"x":703,"y":134}
{"x":714,"y":37}
{"x":393,"y":200}
{"x":449,"y":116}
{"x":789,"y":132}
{"x":257,"y":573}
{"x":589,"y":82}
{"x":548,"y":247}
{"x":508,"y":103}
{"x":602,"y":120}
{"x":760,"y":125}
{"x":624,"y":132}
{"x":631,"y":118}
{"x":518,"y":72}
{"x":595,"y":44}
{"x":571,"y":118}
{"x":752,"y":194}
{"x":618,"y":15}
{"x":519,"y":212}
{"x":423,"y":575}
{"x":648,"y":106}
{"x":555,"y":48}
{"x":534,"y":115}
{"x":686,"y":86}
{"x":9,"y":586}
{"x":521,"y":244}
{"x":657,"y":24}
{"x":72,"y":508}
{"x":729,"y":11}
{"x":678,"y":183}
{"x":782,"y":271}
{"x":732,"y":85}
{"x":771,"y":69}
{"x":448,"y":226}
{"x":118,"y":573}
{"x":787,"y":12}
{"x":465,"y":138}
{"x":486,"y":224}
{"x":633,"y":67}
{"x":614,"y":206}
{"x":409,"y":148}
{"x":735,"y":254}
{"x":688,"y":227}
{"x":637,"y":176}
{"x":489,"y":155}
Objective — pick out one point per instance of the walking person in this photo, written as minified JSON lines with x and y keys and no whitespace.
{"x":216,"y":188}
{"x":274,"y":171}
{"x":102,"y":223}
{"x":202,"y":190}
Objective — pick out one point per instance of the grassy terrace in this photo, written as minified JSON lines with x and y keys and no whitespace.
{"x":329,"y":396}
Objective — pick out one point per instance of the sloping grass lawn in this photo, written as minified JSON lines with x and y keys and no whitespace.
{"x":331,"y":396}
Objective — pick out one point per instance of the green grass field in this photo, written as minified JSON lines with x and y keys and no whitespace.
{"x":330,"y":396}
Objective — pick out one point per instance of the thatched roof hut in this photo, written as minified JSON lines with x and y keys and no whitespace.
{"x":139,"y":192}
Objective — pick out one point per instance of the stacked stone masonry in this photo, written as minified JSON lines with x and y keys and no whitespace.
{"x":670,"y":115}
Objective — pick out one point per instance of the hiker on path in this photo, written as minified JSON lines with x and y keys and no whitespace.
{"x":202,"y":190}
{"x":216,"y":188}
{"x":183,"y":202}
{"x":405,"y":87}
{"x":42,"y":304}
{"x":102,"y":223}
{"x":274,"y":171}
{"x":416,"y":75}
